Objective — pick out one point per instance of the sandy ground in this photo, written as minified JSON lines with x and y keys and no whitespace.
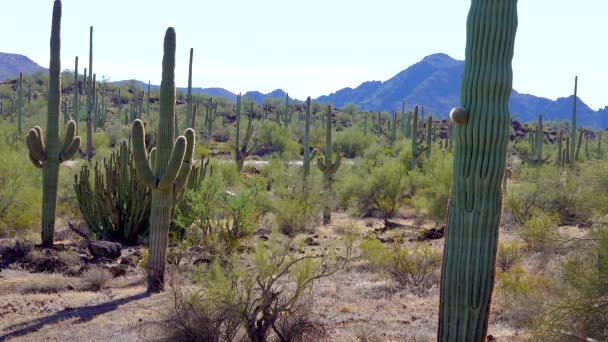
{"x":356,"y":304}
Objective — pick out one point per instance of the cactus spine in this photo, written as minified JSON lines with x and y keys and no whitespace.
{"x":328,"y":167}
{"x":189,"y":96}
{"x":572,"y":157}
{"x":479,"y":164}
{"x":170,"y":168}
{"x":306,"y":163}
{"x":49,"y":154}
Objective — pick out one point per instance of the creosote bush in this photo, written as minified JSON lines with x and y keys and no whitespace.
{"x":415,"y":266}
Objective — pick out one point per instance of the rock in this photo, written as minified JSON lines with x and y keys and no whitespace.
{"x":130,"y":260}
{"x":46,"y":263}
{"x":105,"y":249}
{"x":118,"y":270}
{"x":311,"y":242}
{"x":202,"y":261}
{"x":432,"y":234}
{"x":11,"y":254}
{"x":262,"y":231}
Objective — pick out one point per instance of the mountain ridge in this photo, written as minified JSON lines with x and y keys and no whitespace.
{"x":433,"y":82}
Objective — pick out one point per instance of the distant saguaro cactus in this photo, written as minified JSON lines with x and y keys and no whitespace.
{"x":168,"y":170}
{"x":47,"y":153}
{"x":481,"y":137}
{"x":328,"y":167}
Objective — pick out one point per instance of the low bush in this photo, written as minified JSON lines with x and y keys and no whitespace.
{"x":540,"y":231}
{"x":95,"y":278}
{"x":416,"y":266}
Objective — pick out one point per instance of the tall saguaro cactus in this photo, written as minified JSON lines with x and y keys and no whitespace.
{"x":481,"y":133}
{"x":573,"y":126}
{"x":47,"y":153}
{"x":240,"y":149}
{"x":189,"y":96}
{"x":171,"y":165}
{"x":306,"y":151}
{"x":20,"y":99}
{"x":328,"y":167}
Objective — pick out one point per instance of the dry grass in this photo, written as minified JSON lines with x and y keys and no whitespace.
{"x":95,"y":278}
{"x":53,"y":283}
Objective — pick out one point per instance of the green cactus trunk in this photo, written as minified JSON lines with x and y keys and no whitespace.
{"x":49,"y":155}
{"x":479,"y":164}
{"x":539,"y":139}
{"x":328,"y":167}
{"x":414,"y":134}
{"x":429,"y":141}
{"x":365,"y":124}
{"x":306,"y":162}
{"x":572,"y":158}
{"x":20,"y":103}
{"x":558,"y":160}
{"x":578,"y":145}
{"x":148,"y":102}
{"x":170,"y":170}
{"x":76,"y":92}
{"x":189,"y":96}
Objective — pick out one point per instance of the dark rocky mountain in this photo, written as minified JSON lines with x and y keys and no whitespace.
{"x":435,"y":83}
{"x":12,"y":64}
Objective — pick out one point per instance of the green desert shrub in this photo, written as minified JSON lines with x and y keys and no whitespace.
{"x":352,"y":142}
{"x":415,"y":266}
{"x":374,"y":191}
{"x":540,"y":231}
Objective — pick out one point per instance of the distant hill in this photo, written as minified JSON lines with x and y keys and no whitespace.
{"x":435,"y":83}
{"x":12,"y":64}
{"x":257,"y":96}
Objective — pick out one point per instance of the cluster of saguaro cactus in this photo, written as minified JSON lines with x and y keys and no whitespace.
{"x":117,"y":206}
{"x":328,"y":166}
{"x":475,"y":206}
{"x":241,"y":149}
{"x":168,"y":169}
{"x":47,"y":153}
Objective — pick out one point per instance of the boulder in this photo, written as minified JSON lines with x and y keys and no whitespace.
{"x":105,"y":249}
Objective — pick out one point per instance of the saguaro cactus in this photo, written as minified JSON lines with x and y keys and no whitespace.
{"x":49,"y":154}
{"x":306,"y":151}
{"x":328,"y":167}
{"x":481,"y":137}
{"x":76,"y":103}
{"x":189,"y":96}
{"x":20,"y":99}
{"x":572,"y":147}
{"x":240,"y":149}
{"x":171,"y":165}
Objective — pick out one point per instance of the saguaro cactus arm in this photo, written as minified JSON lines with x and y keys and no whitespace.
{"x":140,"y":155}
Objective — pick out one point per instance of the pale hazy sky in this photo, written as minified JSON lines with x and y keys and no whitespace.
{"x":311,"y":47}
